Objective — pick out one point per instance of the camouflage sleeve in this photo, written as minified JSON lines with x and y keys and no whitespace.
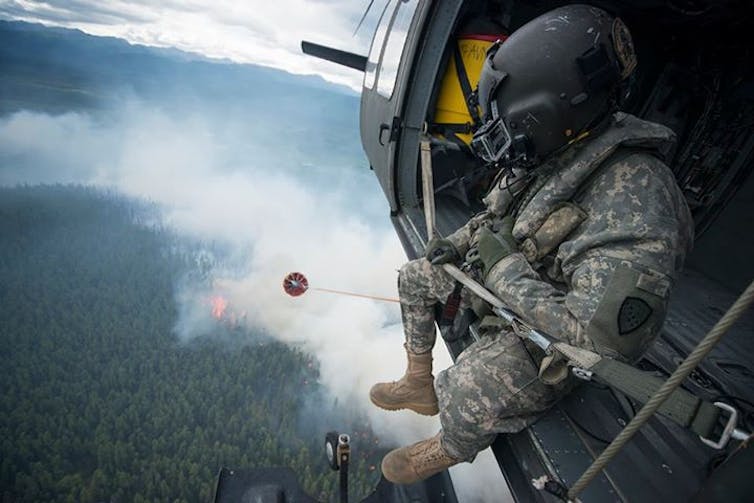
{"x":617,"y":268}
{"x":557,"y":313}
{"x":614,"y":307}
{"x":461,"y":237}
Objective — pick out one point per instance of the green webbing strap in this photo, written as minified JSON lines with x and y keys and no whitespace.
{"x":458,"y":128}
{"x":451,"y":132}
{"x":744,"y":301}
{"x":683,"y":407}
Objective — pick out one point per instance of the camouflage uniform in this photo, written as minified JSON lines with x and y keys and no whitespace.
{"x":599,"y":227}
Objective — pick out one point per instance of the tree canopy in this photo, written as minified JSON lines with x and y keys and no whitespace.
{"x":101,"y":402}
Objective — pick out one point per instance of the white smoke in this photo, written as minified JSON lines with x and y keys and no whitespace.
{"x":275,"y":224}
{"x":480,"y":481}
{"x":271,"y":219}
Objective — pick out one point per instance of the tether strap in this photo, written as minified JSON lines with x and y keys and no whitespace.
{"x":451,"y":132}
{"x":676,"y":378}
{"x":683,"y":407}
{"x":451,"y":306}
{"x":463,"y":79}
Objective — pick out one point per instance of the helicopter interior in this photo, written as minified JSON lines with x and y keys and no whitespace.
{"x":694,"y":76}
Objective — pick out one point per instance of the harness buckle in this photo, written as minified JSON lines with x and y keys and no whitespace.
{"x":583,"y":374}
{"x":729,"y":430}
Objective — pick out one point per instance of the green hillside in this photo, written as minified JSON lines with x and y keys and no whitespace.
{"x":99,"y":401}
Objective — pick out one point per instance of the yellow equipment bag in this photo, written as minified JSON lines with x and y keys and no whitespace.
{"x":457,"y":113}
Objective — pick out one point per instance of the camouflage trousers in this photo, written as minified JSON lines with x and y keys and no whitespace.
{"x":492,"y":387}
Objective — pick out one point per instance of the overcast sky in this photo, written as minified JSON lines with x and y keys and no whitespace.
{"x":265,"y":32}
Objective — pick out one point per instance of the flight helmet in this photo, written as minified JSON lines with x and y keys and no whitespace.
{"x":553,"y":80}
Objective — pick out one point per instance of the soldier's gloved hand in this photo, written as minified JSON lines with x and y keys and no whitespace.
{"x":441,"y":251}
{"x":495,"y":246}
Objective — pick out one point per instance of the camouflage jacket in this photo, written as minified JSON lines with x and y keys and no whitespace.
{"x":602,"y":232}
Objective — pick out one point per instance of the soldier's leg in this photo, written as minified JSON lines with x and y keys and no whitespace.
{"x":492,"y":388}
{"x":420,"y":286}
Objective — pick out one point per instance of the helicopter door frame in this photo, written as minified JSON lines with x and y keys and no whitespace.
{"x":384,"y":86}
{"x":425,"y":71}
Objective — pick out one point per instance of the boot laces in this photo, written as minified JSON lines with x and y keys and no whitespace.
{"x":429,"y":454}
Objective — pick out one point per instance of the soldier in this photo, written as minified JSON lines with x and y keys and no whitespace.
{"x":584,"y":232}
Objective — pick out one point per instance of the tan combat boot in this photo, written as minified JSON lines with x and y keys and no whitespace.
{"x":417,"y":462}
{"x":415,"y":390}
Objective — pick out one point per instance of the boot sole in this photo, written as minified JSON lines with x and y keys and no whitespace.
{"x":424,"y":410}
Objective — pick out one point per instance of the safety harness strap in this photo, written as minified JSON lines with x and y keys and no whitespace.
{"x":468,"y":93}
{"x":683,"y":407}
{"x":450,"y":127}
{"x":451,"y":131}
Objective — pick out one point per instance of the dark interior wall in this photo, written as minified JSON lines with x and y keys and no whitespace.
{"x":725,"y":252}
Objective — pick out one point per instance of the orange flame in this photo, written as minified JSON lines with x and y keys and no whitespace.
{"x":219,"y":305}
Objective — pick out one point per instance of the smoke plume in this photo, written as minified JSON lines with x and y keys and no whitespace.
{"x":215,"y":184}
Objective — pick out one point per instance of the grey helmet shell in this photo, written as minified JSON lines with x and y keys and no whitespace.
{"x":555,"y":78}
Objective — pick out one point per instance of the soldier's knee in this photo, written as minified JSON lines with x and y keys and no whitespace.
{"x":465,"y":402}
{"x":467,"y":412}
{"x":441,"y":383}
{"x":452,"y":397}
{"x":411,"y":278}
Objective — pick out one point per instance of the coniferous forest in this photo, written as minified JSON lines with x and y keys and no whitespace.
{"x":102,"y":402}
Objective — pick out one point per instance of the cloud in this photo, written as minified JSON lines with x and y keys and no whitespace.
{"x":263,"y":33}
{"x":75,"y":11}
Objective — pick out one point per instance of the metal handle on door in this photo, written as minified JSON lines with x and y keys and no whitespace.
{"x":383,"y":127}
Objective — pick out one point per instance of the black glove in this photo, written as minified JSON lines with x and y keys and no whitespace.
{"x":441,"y":251}
{"x":494,"y":247}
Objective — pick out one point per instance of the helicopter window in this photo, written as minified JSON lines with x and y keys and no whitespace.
{"x":394,"y":47}
{"x":376,"y":49}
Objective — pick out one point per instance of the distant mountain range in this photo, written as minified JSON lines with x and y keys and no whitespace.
{"x":56,"y":70}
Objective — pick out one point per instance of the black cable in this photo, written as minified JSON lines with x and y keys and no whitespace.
{"x":603,"y":387}
{"x":508,"y":184}
{"x":505,"y":172}
{"x":615,"y":392}
{"x":584,"y":429}
{"x":716,"y":461}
